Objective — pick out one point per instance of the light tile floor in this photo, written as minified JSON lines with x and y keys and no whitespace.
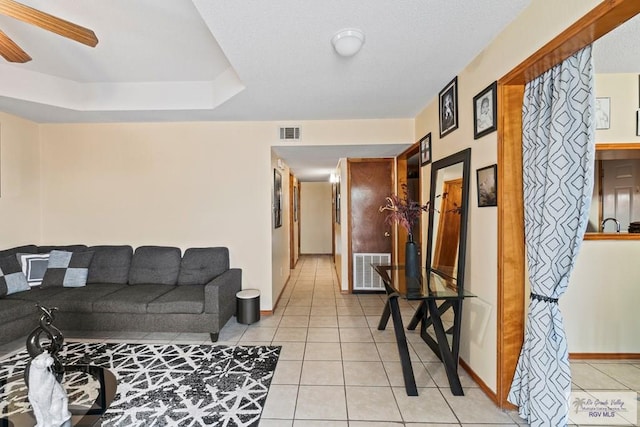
{"x":337,"y":370}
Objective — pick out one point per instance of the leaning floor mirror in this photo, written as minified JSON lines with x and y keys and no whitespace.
{"x":448,"y":213}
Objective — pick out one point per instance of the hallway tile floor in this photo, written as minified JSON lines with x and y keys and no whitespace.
{"x":337,"y":370}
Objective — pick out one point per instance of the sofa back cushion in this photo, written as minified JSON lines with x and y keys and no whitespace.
{"x":200,"y":265}
{"x":68,"y":248}
{"x":26,"y":249}
{"x":110,"y":264}
{"x":155,"y":265}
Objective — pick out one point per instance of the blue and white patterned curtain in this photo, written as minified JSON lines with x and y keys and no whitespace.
{"x":558,"y":158}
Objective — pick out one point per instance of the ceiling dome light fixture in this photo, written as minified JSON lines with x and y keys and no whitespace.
{"x":348,"y":42}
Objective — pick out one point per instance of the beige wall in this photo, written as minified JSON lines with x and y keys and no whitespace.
{"x":527,"y":33}
{"x":19,"y":182}
{"x":182,"y":184}
{"x":603,"y":276}
{"x":622,"y":89}
{"x":600,"y":307}
{"x":315,"y":218}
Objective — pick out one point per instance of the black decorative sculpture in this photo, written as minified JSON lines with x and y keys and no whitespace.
{"x":52,"y":344}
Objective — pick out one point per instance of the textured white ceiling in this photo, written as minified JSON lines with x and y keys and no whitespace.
{"x":317,"y":162}
{"x":139,"y":41}
{"x":160,"y":60}
{"x":183,"y":60}
{"x":619,"y":51}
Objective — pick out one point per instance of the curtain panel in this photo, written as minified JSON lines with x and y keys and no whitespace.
{"x":558,"y":161}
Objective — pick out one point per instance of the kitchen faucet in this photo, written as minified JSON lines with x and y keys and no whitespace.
{"x":604,"y":221}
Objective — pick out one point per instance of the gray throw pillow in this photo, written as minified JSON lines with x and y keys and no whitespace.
{"x":12,"y":279}
{"x":67,"y":269}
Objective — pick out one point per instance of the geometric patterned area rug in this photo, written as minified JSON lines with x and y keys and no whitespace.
{"x":167,"y":384}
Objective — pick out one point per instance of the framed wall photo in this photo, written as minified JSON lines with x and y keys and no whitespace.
{"x":338,"y":201}
{"x":448,"y":103}
{"x":487,"y":183}
{"x":425,"y":150}
{"x":603,"y":113}
{"x":295,"y":203}
{"x":277,"y":199}
{"x":485,"y":115}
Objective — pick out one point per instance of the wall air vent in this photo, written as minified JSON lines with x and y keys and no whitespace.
{"x":364,"y":276}
{"x":290,"y":134}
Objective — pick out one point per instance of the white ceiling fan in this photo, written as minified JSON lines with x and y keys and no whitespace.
{"x":10,"y":51}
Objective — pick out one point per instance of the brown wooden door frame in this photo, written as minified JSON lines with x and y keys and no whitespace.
{"x":333,"y":222}
{"x":401,"y":236}
{"x":293,"y":224}
{"x":511,"y":252}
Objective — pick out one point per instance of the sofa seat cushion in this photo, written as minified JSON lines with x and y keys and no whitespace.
{"x":37,"y":294}
{"x":200,"y":265}
{"x":12,"y":309}
{"x":110,"y":264}
{"x":130,"y":299}
{"x":182,"y":299}
{"x":80,"y":300}
{"x":155,"y":264}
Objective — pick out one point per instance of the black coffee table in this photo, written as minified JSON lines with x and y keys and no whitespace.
{"x":90,"y":390}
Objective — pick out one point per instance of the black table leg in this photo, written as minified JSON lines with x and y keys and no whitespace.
{"x":418,"y":316}
{"x":403,"y":347}
{"x":450,"y":362}
{"x":384,"y":319}
{"x":455,"y":330}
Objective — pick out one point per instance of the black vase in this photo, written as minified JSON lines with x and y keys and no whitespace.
{"x":411,"y":259}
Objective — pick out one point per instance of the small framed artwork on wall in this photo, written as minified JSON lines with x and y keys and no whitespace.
{"x":295,"y":203}
{"x":603,"y":113}
{"x":449,"y":108}
{"x":425,"y":150}
{"x":487,"y":185}
{"x":337,"y":201}
{"x":485,"y":112}
{"x":277,"y":199}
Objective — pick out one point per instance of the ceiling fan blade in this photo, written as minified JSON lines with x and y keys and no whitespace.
{"x":10,"y":51}
{"x":48,"y":22}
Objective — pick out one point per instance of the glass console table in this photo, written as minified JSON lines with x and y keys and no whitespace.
{"x":436,"y":296}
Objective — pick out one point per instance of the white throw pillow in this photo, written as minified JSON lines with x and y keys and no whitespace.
{"x":33,"y":266}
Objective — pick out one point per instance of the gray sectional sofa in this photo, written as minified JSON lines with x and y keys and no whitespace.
{"x":155,"y":288}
